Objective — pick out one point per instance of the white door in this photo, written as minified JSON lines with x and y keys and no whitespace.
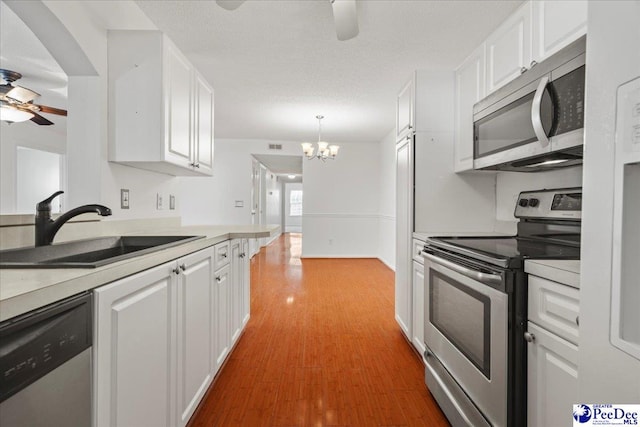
{"x":404,"y":227}
{"x":552,"y":384}
{"x":178,"y":107}
{"x":133,"y":355}
{"x":223,"y":310}
{"x":194,"y":325}
{"x":262,"y":209}
{"x":203,"y":126}
{"x":237,"y":289}
{"x":255,"y":204}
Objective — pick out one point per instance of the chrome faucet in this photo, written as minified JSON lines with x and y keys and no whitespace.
{"x":46,"y":228}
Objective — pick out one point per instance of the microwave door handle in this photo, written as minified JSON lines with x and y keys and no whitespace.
{"x":486,"y":278}
{"x":536,"y":118}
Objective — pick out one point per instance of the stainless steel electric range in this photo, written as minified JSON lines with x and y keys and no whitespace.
{"x":476,"y":309}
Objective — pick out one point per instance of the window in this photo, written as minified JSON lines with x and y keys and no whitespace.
{"x":295,"y":203}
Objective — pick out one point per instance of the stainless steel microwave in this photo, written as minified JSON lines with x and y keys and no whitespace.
{"x":536,"y":121}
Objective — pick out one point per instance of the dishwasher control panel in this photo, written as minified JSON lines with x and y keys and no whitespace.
{"x":35,"y":343}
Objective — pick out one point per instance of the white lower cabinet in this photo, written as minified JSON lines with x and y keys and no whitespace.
{"x":223,"y":310}
{"x":552,"y":354}
{"x":552,"y":377}
{"x":134,"y":350}
{"x":161,"y":336}
{"x":418,"y":307}
{"x":237,"y":290}
{"x":195,"y":324}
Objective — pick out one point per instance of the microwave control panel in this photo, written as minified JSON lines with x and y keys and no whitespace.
{"x":568,"y":92}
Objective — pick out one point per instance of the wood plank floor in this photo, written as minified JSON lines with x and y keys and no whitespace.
{"x":322,"y":348}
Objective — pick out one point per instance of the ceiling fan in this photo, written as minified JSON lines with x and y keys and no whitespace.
{"x":17,"y":102}
{"x":345,"y":16}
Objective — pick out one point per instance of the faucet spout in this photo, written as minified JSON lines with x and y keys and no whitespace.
{"x":46,"y":228}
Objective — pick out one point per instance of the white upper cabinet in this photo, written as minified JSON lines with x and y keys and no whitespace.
{"x":470,"y":88}
{"x":405,"y":112}
{"x":556,"y":24}
{"x":160,"y":108}
{"x":509,"y":49}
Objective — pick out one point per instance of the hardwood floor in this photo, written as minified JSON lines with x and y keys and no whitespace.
{"x":322,"y":348}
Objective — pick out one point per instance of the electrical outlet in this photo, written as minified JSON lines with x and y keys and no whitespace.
{"x":159,"y":201}
{"x":124,"y":198}
{"x":172,"y":202}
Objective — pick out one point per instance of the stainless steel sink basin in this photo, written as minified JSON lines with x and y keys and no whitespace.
{"x":89,"y":253}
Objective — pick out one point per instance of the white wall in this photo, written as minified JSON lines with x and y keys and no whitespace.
{"x":211,"y":200}
{"x":91,"y":178}
{"x":387,"y":200}
{"x":341,"y":203}
{"x":605,"y":374}
{"x":292,"y":224}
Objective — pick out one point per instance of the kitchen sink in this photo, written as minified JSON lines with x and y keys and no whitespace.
{"x":89,"y":253}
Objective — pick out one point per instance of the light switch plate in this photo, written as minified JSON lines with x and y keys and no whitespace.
{"x":239,"y":203}
{"x":124,"y":198}
{"x":159,"y":201}
{"x":172,"y":202}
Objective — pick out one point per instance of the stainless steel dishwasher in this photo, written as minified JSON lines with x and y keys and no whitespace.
{"x":45,"y":366}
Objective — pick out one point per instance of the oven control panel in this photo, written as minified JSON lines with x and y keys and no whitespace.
{"x":563,"y":203}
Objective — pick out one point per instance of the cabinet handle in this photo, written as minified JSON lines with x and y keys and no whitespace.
{"x":529,"y":337}
{"x":410,"y":127}
{"x":242,"y":255}
{"x":183,"y":267}
{"x":533,"y":64}
{"x":523,"y":70}
{"x":218,"y":279}
{"x":223,"y":255}
{"x":195,"y":165}
{"x":175,"y":270}
{"x":578,"y":320}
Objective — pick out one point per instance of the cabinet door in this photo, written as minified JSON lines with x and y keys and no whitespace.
{"x":509,"y":49}
{"x":223,"y":311}
{"x":404,"y":228}
{"x":203,"y":125}
{"x":418,"y":307}
{"x":133,"y":355}
{"x":556,"y":24}
{"x":470,"y":88}
{"x":552,"y":378}
{"x":237,"y":290}
{"x":195,"y":359}
{"x":405,"y":110}
{"x":246,"y":282}
{"x":178,"y":106}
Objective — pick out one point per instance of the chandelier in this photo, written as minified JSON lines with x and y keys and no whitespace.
{"x":324,"y":151}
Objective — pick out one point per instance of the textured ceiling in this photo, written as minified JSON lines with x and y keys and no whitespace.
{"x":275,"y":65}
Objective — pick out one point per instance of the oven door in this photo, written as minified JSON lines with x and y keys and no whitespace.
{"x":466,"y":330}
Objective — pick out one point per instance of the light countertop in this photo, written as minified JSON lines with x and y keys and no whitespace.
{"x":23,"y":290}
{"x":561,"y":271}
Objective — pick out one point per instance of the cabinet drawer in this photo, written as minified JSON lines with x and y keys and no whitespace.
{"x":417,"y":247}
{"x":220,"y":255}
{"x":555,"y":307}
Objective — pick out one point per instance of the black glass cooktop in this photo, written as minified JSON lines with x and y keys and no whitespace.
{"x":510,"y":249}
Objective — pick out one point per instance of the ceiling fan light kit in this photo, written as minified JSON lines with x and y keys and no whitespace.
{"x":325,"y":151}
{"x":13,"y":115}
{"x":17,"y":102}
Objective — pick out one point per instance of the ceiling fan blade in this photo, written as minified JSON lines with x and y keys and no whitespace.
{"x":229,"y":4}
{"x":345,"y":16}
{"x":37,"y":118}
{"x":51,"y":110}
{"x":22,"y":94}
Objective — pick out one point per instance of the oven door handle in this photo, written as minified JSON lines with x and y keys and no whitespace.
{"x":486,"y":278}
